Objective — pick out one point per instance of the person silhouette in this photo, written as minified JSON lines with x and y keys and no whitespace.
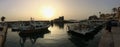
{"x":109,"y":25}
{"x":3,"y":19}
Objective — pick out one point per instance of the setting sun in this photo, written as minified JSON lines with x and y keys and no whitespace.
{"x":47,"y":12}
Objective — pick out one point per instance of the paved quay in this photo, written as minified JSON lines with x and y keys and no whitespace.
{"x":110,"y":39}
{"x":3,"y":36}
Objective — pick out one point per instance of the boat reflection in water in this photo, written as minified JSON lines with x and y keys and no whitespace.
{"x":31,"y":35}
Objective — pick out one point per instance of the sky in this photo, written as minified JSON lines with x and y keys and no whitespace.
{"x":15,"y":10}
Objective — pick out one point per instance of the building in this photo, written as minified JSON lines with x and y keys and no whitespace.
{"x":60,"y":19}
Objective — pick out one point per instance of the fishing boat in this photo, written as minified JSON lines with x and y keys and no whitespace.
{"x":83,"y":28}
{"x":15,"y":27}
{"x":78,"y":30}
{"x":33,"y":26}
{"x":40,"y":25}
{"x":24,"y":27}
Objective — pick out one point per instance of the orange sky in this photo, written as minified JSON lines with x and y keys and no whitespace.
{"x":71,"y":9}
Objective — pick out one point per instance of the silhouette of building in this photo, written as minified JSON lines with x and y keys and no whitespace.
{"x":60,"y":19}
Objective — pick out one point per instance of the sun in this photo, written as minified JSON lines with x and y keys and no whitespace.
{"x":47,"y":12}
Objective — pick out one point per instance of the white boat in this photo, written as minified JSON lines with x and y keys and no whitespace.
{"x":79,"y":30}
{"x":40,"y":25}
{"x":15,"y":27}
{"x":24,"y":27}
{"x":33,"y":26}
{"x":83,"y":27}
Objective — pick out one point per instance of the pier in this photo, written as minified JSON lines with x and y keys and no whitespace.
{"x":110,"y":39}
{"x":3,"y":34}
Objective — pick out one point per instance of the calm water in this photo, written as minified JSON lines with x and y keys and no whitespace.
{"x":56,"y":36}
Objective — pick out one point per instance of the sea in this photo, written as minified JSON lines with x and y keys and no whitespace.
{"x":55,"y":36}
